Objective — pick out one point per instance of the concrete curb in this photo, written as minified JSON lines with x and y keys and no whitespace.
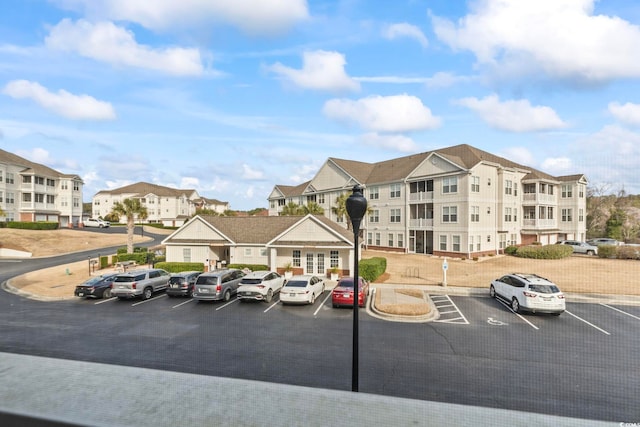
{"x":433,"y":314}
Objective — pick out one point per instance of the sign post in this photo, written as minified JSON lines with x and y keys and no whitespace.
{"x":444,"y":272}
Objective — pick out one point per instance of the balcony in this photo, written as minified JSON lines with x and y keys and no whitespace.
{"x":420,"y":223}
{"x":421,"y":196}
{"x":540,"y":224}
{"x":538,"y":198}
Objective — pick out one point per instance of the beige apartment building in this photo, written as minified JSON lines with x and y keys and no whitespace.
{"x":33,"y":192}
{"x":457,"y":201}
{"x":168,"y":206}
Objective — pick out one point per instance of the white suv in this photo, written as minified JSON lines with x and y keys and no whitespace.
{"x":96,"y":222}
{"x":528,"y":292}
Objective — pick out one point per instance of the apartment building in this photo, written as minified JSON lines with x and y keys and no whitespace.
{"x":33,"y":192}
{"x":169,"y":206}
{"x":457,"y":201}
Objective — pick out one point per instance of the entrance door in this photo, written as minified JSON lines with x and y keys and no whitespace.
{"x":315,"y":264}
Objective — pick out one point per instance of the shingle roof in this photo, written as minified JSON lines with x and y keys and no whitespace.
{"x":32,"y":167}
{"x":143,"y":188}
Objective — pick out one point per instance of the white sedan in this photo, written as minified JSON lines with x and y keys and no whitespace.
{"x":302,"y":289}
{"x":260,"y":286}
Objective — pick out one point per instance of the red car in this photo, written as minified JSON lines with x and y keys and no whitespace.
{"x":342,"y":294}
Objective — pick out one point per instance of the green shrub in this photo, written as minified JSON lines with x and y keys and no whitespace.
{"x":607,"y":251}
{"x":138,"y":257}
{"x":104,"y":262}
{"x":136,"y":249}
{"x":177,"y":267}
{"x":544,"y":251}
{"x":372,"y":268}
{"x":40,"y":225}
{"x":511,"y":250}
{"x":627,"y":252}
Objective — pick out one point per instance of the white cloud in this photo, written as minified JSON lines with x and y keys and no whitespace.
{"x":321,"y":70}
{"x":63,"y":103}
{"x":189,"y":182}
{"x":519,"y":155}
{"x":443,"y":80}
{"x":251,"y":16}
{"x":106,"y":42}
{"x":513,"y":116}
{"x":251,"y":173}
{"x":395,"y":142}
{"x":628,"y":113}
{"x":557,"y":165}
{"x":561,"y":38}
{"x":397,"y":113}
{"x":403,"y":29}
{"x":42,"y":156}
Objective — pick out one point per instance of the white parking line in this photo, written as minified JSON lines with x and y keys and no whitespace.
{"x":590,"y":324}
{"x":183,"y":303}
{"x":102,"y":301}
{"x":517,"y":314}
{"x":229,"y":303}
{"x":620,"y":311}
{"x":322,"y":304}
{"x":438,"y":300}
{"x":147,"y":300}
{"x":271,"y":306}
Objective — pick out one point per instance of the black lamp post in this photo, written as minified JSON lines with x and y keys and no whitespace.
{"x":356,"y":208}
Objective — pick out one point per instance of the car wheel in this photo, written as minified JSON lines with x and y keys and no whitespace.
{"x":146,"y":294}
{"x":269,"y":296}
{"x":515,"y":305}
{"x":556,"y":314}
{"x":107,"y":293}
{"x":322,"y":290}
{"x":227,"y":295}
{"x":590,"y":253}
{"x":492,"y":291}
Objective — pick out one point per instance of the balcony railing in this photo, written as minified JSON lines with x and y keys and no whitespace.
{"x":539,"y":198}
{"x":540,"y":223}
{"x":421,"y":196}
{"x":420,"y":223}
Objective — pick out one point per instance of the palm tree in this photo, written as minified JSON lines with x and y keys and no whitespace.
{"x":130,"y":208}
{"x":291,"y":209}
{"x":340,"y":209}
{"x":312,"y":208}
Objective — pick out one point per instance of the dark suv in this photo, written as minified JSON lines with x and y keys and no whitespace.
{"x":181,"y":284}
{"x":217,"y":285}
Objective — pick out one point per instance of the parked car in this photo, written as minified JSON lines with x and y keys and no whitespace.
{"x":302,"y":289}
{"x":217,"y":285}
{"x":528,"y":292}
{"x":182,"y":284}
{"x":140,"y":283}
{"x":604,"y":241}
{"x":260,"y":286}
{"x":342,"y":294}
{"x":580,"y":247}
{"x":96,"y":287}
{"x":96,"y":222}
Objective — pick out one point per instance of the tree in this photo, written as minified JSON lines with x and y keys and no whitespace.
{"x":312,"y":208}
{"x":130,"y":209}
{"x":340,"y":209}
{"x":292,"y":209}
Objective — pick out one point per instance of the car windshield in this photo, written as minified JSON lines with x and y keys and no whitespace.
{"x":177,"y":279}
{"x":296,"y":283}
{"x":347,"y":283}
{"x":251,"y":281}
{"x":544,"y":289}
{"x":93,"y":281}
{"x":207,"y":280}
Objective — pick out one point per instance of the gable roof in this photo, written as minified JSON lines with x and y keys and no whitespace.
{"x":143,"y":188}
{"x":32,"y":167}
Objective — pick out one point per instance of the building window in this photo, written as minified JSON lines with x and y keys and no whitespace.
{"x":515,"y":214}
{"x":449,"y":214}
{"x":479,"y":243}
{"x":394,"y":191}
{"x":263,"y":252}
{"x":475,"y":213}
{"x":51,"y":183}
{"x":334,"y":258}
{"x":488,"y":238}
{"x":282,"y":202}
{"x":503,"y":241}
{"x":10,"y":198}
{"x":39,"y":180}
{"x":26,"y":197}
{"x":39,"y":198}
{"x":377,"y":239}
{"x":51,"y":199}
{"x":321,"y":200}
{"x":549,"y":212}
{"x":567,"y":215}
{"x":390,"y":240}
{"x":64,"y":185}
{"x":186,"y":254}
{"x":567,"y":191}
{"x":515,"y":188}
{"x":400,"y":240}
{"x":310,"y":263}
{"x":580,"y":215}
{"x":475,"y":184}
{"x":470,"y":243}
{"x":1,"y":197}
{"x":320,"y":269}
{"x":455,"y":242}
{"x":450,"y":184}
{"x":0,"y":176}
{"x":369,"y":238}
{"x":443,"y":242}
{"x":374,"y":216}
{"x":529,"y":188}
{"x":395,"y":215}
{"x":508,"y":187}
{"x":296,"y":258}
{"x":247,"y":251}
{"x":507,"y":215}
{"x":374,"y":193}
{"x":76,"y":186}
{"x":581,"y":191}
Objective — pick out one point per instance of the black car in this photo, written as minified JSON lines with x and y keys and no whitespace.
{"x":96,"y":287}
{"x":181,"y":284}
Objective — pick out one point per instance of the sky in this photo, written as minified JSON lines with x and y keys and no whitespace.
{"x":233,"y":98}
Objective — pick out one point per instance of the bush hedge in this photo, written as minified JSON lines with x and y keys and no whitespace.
{"x":40,"y":225}
{"x":544,"y":251}
{"x":372,"y":268}
{"x":177,"y":267}
{"x":252,"y":267}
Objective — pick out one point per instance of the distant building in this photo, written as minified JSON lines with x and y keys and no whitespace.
{"x":33,"y":192}
{"x":168,"y":206}
{"x":456,"y":201}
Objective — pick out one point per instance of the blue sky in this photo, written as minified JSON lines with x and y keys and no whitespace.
{"x":231,"y":98}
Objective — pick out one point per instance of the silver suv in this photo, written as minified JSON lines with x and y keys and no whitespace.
{"x":217,"y":285}
{"x":140,"y":283}
{"x":580,"y":247}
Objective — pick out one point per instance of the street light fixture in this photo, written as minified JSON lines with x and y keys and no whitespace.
{"x":356,"y":206}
